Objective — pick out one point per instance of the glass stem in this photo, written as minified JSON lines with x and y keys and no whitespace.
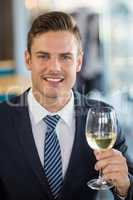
{"x":100,"y":176}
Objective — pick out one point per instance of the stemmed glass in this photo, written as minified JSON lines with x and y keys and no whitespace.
{"x":101,"y":133}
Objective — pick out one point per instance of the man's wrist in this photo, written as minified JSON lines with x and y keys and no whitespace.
{"x":121,"y":196}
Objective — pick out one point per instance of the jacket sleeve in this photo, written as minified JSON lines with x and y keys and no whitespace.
{"x":3,"y":194}
{"x":122,"y":146}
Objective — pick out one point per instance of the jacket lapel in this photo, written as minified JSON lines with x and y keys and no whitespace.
{"x":81,"y":164}
{"x":24,"y":133}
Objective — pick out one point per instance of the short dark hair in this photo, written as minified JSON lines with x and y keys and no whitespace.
{"x":53,"y":21}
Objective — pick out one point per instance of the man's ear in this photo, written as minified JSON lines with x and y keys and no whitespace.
{"x":79,"y":60}
{"x":27,"y":56}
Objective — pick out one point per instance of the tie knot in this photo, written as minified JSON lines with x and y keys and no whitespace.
{"x":51,"y":121}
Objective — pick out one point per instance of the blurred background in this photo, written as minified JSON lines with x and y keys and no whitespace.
{"x":107,"y":72}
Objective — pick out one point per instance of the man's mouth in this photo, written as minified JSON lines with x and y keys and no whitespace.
{"x":53,"y":79}
{"x":56,"y":80}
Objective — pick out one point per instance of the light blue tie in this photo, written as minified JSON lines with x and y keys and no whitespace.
{"x":52,"y":156}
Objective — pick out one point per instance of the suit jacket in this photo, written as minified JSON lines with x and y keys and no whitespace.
{"x":21,"y":173}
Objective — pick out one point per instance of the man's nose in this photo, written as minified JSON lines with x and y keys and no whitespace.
{"x":55,"y":64}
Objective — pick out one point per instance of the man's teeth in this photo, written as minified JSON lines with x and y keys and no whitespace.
{"x":53,"y":79}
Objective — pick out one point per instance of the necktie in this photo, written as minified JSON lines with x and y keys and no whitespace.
{"x":52,"y":156}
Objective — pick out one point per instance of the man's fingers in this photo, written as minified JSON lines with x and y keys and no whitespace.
{"x":105,"y":154}
{"x":114,"y":168}
{"x":101,"y":164}
{"x":109,"y":157}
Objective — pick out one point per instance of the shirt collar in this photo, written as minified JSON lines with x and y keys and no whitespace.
{"x":39,"y":112}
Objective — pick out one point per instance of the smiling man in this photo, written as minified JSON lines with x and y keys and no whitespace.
{"x":54,"y":58}
{"x":43,"y":150}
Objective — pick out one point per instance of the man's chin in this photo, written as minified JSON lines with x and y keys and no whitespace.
{"x":51,"y":96}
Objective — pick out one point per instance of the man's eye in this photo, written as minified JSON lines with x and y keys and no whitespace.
{"x":43,"y":56}
{"x":66,"y":57}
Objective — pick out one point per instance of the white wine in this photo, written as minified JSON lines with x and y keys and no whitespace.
{"x":101,"y":142}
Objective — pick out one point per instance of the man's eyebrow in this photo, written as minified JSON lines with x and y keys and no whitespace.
{"x":66,"y":53}
{"x":41,"y":52}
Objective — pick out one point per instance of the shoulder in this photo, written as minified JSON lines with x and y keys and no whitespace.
{"x":9,"y":105}
{"x":86,"y":102}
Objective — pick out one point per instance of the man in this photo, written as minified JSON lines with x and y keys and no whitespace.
{"x":27,"y":150}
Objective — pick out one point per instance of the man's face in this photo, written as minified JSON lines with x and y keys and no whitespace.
{"x":53,"y":62}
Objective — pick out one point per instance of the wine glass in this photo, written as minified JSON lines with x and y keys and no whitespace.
{"x":101,"y":133}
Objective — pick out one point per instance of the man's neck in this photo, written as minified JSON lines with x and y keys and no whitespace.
{"x":53,"y":104}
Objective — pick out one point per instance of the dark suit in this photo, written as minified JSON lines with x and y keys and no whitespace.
{"x":21,"y":173}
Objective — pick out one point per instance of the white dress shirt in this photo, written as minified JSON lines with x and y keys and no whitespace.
{"x":65,"y":128}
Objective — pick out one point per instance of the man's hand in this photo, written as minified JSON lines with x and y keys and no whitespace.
{"x":114,"y":169}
